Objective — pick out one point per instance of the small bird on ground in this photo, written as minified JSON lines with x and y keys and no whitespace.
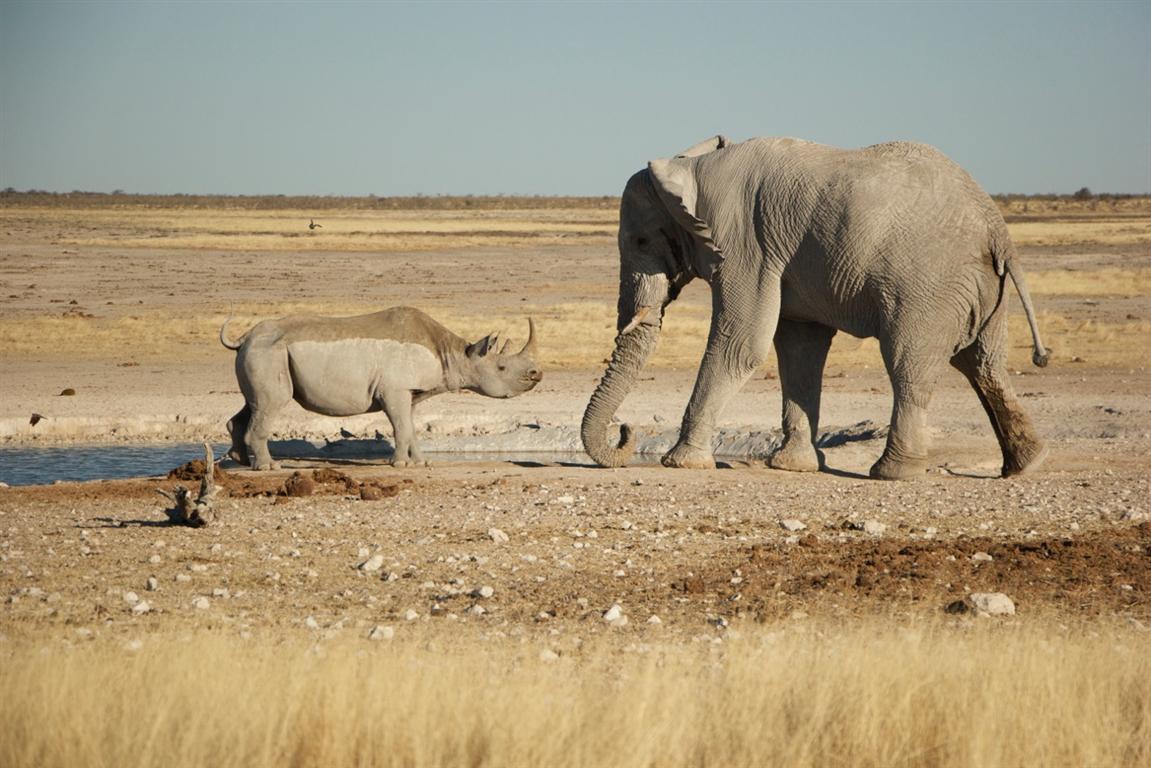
{"x":313,"y":225}
{"x":36,"y":419}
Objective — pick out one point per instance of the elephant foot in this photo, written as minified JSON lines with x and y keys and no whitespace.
{"x":401,"y":463}
{"x":888,"y":468}
{"x":796,"y":457}
{"x":238,"y":456}
{"x":684,"y":457}
{"x":1025,"y":462}
{"x":266,"y":466}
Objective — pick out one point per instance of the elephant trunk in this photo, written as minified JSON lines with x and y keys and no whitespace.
{"x":631,"y":352}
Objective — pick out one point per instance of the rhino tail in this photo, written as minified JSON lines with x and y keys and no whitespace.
{"x":224,"y":336}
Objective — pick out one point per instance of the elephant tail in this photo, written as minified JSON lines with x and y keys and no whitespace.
{"x":224,"y":336}
{"x":1040,"y":355}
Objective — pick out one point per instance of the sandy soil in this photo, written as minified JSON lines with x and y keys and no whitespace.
{"x":698,"y":550}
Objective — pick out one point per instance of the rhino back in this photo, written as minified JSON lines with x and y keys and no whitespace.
{"x":402,"y":324}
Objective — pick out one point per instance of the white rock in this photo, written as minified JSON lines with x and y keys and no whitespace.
{"x":477,"y":610}
{"x":221,"y":592}
{"x":410,"y":615}
{"x":154,"y":559}
{"x":141,"y":608}
{"x":654,"y":620}
{"x":183,"y":577}
{"x":485,"y":591}
{"x":498,"y":536}
{"x":982,"y":557}
{"x":131,"y":598}
{"x":372,"y":564}
{"x":201,"y":603}
{"x":311,"y":623}
{"x":565,"y":499}
{"x":152,"y":584}
{"x":381,"y":633}
{"x":791,"y":524}
{"x":613,"y":613}
{"x":874,"y":528}
{"x":991,"y":604}
{"x":198,"y":568}
{"x":548,"y":655}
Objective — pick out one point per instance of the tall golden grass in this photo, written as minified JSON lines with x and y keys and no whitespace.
{"x":866,"y":694}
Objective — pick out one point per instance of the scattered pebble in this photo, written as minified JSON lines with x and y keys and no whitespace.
{"x":152,"y":584}
{"x":548,"y":655}
{"x":792,"y":525}
{"x":498,"y":536}
{"x":311,"y":623}
{"x":372,"y":564}
{"x":141,"y":608}
{"x":984,"y":604}
{"x":201,"y":603}
{"x":410,"y":615}
{"x":131,"y":598}
{"x":485,"y":592}
{"x":381,"y":633}
{"x":982,"y":557}
{"x":874,"y":528}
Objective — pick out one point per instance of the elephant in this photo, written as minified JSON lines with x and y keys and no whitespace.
{"x":799,"y":240}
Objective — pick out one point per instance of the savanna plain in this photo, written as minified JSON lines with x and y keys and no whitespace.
{"x":513,"y":604}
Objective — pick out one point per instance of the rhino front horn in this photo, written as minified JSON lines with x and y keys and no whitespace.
{"x":530,"y":348}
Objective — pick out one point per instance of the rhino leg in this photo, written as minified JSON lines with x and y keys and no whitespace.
{"x":397,"y":404}
{"x":237,"y":430}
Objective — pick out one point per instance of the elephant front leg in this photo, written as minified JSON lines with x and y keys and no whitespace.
{"x":742,"y":325}
{"x":801,"y":349}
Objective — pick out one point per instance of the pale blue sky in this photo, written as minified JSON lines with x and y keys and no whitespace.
{"x":551,"y":98}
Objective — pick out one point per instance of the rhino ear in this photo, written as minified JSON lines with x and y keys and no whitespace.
{"x":674,"y":182}
{"x":705,"y":146}
{"x":484,"y":346}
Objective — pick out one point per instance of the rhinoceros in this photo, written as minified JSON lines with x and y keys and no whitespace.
{"x":344,"y":366}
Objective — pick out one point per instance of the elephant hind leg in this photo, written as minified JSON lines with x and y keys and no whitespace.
{"x":984,"y":364}
{"x":802,"y":351}
{"x":914,"y":368}
{"x":237,"y":429}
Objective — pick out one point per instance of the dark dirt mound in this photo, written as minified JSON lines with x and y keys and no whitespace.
{"x":1095,"y":573}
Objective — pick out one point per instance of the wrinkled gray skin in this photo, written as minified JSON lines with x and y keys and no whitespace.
{"x":343,"y":366}
{"x":799,"y":240}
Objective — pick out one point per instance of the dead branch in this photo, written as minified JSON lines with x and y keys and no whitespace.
{"x":198,"y":512}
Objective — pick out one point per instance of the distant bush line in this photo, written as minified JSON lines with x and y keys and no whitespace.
{"x":12,"y":197}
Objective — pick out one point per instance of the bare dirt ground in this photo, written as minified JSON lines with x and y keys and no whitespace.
{"x":131,"y":329}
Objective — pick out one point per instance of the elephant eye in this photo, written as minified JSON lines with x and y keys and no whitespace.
{"x":502,"y":367}
{"x":641,"y":241}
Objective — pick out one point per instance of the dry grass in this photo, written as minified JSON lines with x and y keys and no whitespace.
{"x":1103,"y":282}
{"x":578,"y":335}
{"x":862,"y":695}
{"x":339,"y":230}
{"x":1118,"y":231}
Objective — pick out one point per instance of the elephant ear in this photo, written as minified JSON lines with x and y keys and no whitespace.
{"x":674,"y":182}
{"x":705,"y":146}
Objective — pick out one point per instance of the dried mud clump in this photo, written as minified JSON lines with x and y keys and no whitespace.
{"x":194,"y":470}
{"x":297,"y":485}
{"x":374,"y":491}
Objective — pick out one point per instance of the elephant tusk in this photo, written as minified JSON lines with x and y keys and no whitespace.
{"x":635,"y":321}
